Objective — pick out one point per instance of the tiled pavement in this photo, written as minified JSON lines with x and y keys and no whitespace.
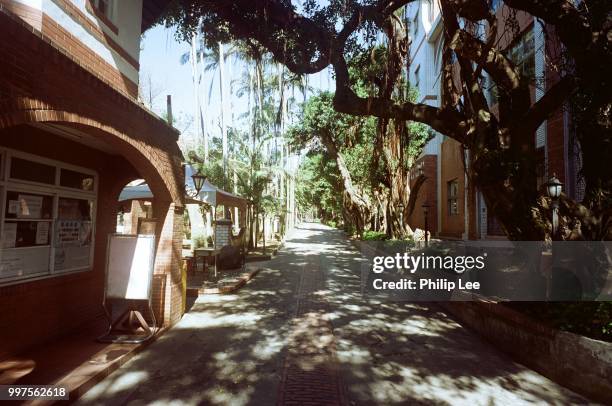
{"x":302,"y":333}
{"x":310,"y":371}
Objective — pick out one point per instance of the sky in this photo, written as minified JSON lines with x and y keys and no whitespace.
{"x":160,"y":65}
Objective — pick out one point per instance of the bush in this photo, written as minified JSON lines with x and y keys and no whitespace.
{"x":374,"y":236}
{"x":332,"y":223}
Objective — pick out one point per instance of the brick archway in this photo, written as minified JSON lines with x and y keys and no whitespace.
{"x":156,"y":160}
{"x":41,"y":87}
{"x":159,"y":163}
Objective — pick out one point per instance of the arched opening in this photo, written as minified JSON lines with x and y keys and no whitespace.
{"x":68,"y":176}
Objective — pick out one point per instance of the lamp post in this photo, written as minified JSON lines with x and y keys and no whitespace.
{"x":400,"y":207}
{"x":553,"y":190}
{"x":198,"y":182}
{"x":425,"y":207}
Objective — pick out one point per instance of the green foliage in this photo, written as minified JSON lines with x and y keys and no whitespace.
{"x":318,"y":184}
{"x":374,"y":236}
{"x":332,"y":223}
{"x":591,"y":319}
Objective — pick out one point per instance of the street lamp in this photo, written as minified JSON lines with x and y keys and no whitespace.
{"x":198,"y":182}
{"x":425,"y":207}
{"x":553,"y":190}
{"x":400,"y":207}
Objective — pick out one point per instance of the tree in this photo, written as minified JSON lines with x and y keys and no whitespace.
{"x":148,"y":89}
{"x":501,"y":146}
{"x":318,"y":181}
{"x":332,"y":129}
{"x":368,"y":159}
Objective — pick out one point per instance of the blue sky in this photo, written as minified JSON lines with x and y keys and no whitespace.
{"x":160,"y":60}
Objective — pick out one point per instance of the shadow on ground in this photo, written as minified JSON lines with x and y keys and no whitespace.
{"x":229,"y":349}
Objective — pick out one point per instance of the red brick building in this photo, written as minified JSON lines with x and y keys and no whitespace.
{"x":427,"y":194}
{"x":460,"y":211}
{"x":72,"y":135}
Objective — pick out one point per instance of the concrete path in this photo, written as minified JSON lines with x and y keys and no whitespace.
{"x":301,"y":333}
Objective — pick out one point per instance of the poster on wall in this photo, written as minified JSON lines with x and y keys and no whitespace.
{"x":29,"y":206}
{"x":9,"y":235}
{"x":42,"y":232}
{"x":68,"y":232}
{"x":73,"y":233}
{"x":85,"y":233}
{"x":11,"y":264}
{"x":13,"y":206}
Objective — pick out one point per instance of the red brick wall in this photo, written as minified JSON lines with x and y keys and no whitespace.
{"x":452,"y":168}
{"x":506,"y":35}
{"x":428,"y":193}
{"x":70,"y":44}
{"x":30,"y":15}
{"x":88,"y":58}
{"x":556,"y":146}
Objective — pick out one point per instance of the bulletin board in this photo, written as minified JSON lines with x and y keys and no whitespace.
{"x":129,"y":266}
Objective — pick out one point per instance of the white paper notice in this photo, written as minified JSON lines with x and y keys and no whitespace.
{"x":13,"y":206}
{"x":42,"y":232}
{"x":30,"y":206}
{"x":11,"y":264}
{"x":10,"y":235}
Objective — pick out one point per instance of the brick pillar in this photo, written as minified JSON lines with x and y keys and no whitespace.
{"x":167,"y":278}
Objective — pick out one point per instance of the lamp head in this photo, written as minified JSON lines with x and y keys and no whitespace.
{"x":198,"y":181}
{"x":553,"y":187}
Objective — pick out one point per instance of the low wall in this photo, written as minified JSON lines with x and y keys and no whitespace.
{"x":579,"y":363}
{"x":582,"y":364}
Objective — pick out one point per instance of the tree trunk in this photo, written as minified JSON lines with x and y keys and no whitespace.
{"x":358,"y":204}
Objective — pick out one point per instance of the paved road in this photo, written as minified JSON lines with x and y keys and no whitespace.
{"x":301,"y":332}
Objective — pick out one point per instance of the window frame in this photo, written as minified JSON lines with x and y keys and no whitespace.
{"x":110,"y":10}
{"x":521,"y":60}
{"x":109,"y":18}
{"x":8,"y":184}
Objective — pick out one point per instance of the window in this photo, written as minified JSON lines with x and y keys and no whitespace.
{"x":76,"y":180}
{"x":438,"y":50}
{"x":452,"y":189}
{"x":105,"y":7}
{"x":105,"y":11}
{"x":415,"y":24}
{"x":522,"y":54}
{"x":73,"y":233}
{"x":47,"y":221}
{"x":417,"y":77}
{"x":24,"y":169}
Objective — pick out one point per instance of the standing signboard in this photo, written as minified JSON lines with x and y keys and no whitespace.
{"x":129,"y":275}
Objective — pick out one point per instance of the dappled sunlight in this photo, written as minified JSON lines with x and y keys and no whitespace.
{"x":304,"y":321}
{"x":226,"y":350}
{"x":122,"y":383}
